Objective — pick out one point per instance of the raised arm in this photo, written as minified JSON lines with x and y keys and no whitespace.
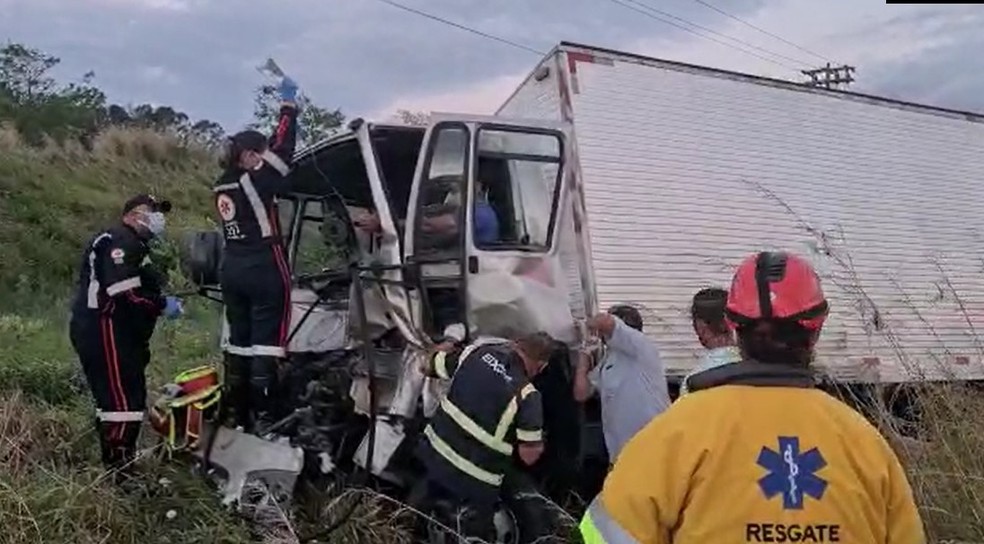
{"x":283,"y":140}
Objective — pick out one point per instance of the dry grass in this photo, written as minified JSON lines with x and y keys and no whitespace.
{"x":145,"y":145}
{"x":946,"y":462}
{"x":51,"y":490}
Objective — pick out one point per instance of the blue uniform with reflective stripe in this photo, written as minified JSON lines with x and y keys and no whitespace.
{"x":491,"y":406}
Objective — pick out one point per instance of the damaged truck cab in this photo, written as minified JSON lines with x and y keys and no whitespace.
{"x":398,"y":236}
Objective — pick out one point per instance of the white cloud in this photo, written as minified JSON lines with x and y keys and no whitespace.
{"x":481,"y":98}
{"x":164,"y":5}
{"x":159,"y":75}
{"x":863,"y":33}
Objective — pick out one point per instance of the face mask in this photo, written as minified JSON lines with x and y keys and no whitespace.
{"x":154,"y":222}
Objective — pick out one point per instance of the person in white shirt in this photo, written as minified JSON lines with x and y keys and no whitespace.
{"x":707,"y":314}
{"x":630,"y":378}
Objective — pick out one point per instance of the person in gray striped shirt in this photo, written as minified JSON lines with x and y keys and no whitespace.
{"x":630,"y":378}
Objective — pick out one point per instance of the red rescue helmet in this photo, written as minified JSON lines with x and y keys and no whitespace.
{"x":776,"y":285}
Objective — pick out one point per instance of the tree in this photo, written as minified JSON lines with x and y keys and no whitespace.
{"x":207,"y":133}
{"x":24,"y":73}
{"x":37,"y":105}
{"x":413,"y":118}
{"x":314,"y":122}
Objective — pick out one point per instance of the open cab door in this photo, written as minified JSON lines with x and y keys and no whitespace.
{"x":506,"y":182}
{"x":516,"y":267}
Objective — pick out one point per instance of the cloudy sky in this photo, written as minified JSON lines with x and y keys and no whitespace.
{"x":370,"y":58}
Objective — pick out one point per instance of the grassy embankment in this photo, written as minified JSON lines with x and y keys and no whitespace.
{"x":51,"y":487}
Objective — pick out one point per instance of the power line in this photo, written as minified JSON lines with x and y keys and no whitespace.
{"x":694,"y":32}
{"x":762,"y":30}
{"x":716,"y":33}
{"x":463,"y":27}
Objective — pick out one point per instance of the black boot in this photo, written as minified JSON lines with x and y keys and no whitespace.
{"x":236,"y":384}
{"x":262,"y":381}
{"x":105,"y":432}
{"x":118,"y":446}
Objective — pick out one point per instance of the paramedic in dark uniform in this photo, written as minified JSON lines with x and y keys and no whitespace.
{"x":491,"y":412}
{"x":114,"y":314}
{"x":255,"y":279}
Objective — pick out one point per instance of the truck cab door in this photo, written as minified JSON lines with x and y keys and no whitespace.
{"x":381,"y":276}
{"x":505,"y":182}
{"x":511,"y":269}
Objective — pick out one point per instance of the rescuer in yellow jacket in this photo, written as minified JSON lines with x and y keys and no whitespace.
{"x":755,"y":453}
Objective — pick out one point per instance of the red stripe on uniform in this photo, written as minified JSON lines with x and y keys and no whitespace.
{"x":113,"y":366}
{"x":137,"y":299}
{"x":278,"y":255}
{"x":281,"y":131}
{"x":274,"y":217}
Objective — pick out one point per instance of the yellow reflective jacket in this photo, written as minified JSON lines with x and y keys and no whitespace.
{"x":756,"y":455}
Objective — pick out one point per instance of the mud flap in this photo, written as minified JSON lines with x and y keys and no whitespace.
{"x":241,"y":457}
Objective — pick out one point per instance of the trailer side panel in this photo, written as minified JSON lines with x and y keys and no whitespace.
{"x":687,"y":172}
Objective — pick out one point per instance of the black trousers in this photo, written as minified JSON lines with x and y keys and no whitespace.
{"x":467,"y":519}
{"x":535,"y":515}
{"x":256,"y":294}
{"x":114,"y":355}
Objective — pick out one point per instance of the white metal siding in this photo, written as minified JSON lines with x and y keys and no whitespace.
{"x":541,"y":100}
{"x":678,"y":168}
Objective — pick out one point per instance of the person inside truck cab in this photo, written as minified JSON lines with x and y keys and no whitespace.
{"x":711,"y":328}
{"x":630,"y":378}
{"x":756,"y":452}
{"x":446,"y":222}
{"x":491,"y":415}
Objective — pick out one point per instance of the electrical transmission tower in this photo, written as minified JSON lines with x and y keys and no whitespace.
{"x":830,"y":77}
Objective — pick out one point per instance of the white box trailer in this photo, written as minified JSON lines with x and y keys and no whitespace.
{"x":686,"y":169}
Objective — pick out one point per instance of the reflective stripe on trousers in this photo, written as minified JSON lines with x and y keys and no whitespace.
{"x":597,"y":527}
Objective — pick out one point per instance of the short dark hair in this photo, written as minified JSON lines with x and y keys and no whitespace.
{"x":250,"y":140}
{"x":629,"y":315}
{"x":777,"y":342}
{"x":708,"y":306}
{"x":538,"y":346}
{"x":245,"y":140}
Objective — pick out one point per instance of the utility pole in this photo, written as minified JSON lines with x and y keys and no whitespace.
{"x":830,"y":76}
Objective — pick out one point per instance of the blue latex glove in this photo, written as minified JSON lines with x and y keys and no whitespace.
{"x":173,"y":309}
{"x":287,"y":89}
